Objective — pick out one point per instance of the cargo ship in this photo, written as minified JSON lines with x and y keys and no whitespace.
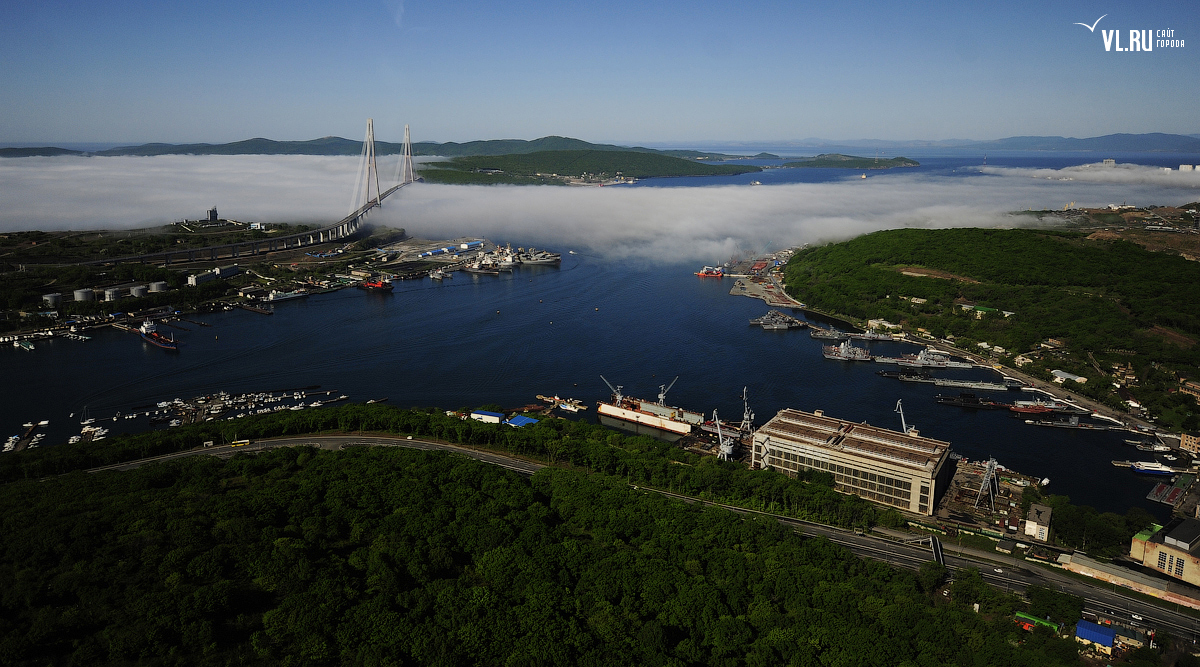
{"x":846,"y":352}
{"x":376,"y":285}
{"x":149,"y":333}
{"x":648,"y":413}
{"x":711,"y":272}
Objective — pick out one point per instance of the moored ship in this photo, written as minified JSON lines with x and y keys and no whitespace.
{"x":846,"y":352}
{"x":711,"y":272}
{"x":276,"y":295}
{"x":1151,"y":468}
{"x":149,"y":333}
{"x":1040,"y":406}
{"x":536,"y":257}
{"x":648,"y":413}
{"x":924,"y":359}
{"x":971,"y":401}
{"x":376,"y":285}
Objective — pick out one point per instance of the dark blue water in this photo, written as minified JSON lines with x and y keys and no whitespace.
{"x":484,"y":339}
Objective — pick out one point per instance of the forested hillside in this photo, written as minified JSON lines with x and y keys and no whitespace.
{"x":394,"y":557}
{"x":1111,"y":299}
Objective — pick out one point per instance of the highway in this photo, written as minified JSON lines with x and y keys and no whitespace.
{"x":996,"y":569}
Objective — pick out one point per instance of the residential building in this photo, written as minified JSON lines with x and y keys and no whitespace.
{"x":903,"y":470}
{"x":1190,"y":442}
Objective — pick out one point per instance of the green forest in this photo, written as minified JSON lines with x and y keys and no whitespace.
{"x":574,"y":445}
{"x":382,"y":556}
{"x":839,"y":161}
{"x":571,"y":163}
{"x":1112,"y":300}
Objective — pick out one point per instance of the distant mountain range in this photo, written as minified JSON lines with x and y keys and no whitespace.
{"x":340,"y":146}
{"x":1151,"y":142}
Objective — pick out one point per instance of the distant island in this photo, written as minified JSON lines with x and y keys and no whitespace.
{"x":567,"y":167}
{"x":839,"y":161}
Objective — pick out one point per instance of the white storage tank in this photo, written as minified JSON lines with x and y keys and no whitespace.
{"x":85,"y":294}
{"x":112,"y":294}
{"x":53,"y":300}
{"x":137,"y":290}
{"x":158,"y":286}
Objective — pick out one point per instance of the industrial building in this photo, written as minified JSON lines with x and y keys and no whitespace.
{"x":1173,"y":549}
{"x":902,"y":470}
{"x":1037,"y":522}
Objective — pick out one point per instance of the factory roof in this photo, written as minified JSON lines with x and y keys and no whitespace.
{"x":814,"y":428}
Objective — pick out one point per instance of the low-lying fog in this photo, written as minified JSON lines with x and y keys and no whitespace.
{"x":705,"y":223}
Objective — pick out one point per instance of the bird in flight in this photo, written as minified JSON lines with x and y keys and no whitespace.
{"x":1092,"y":27}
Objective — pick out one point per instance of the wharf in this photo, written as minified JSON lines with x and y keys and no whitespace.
{"x":767,"y":289}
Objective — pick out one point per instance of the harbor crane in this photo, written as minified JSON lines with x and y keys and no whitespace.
{"x":617,"y":395}
{"x":724,"y":444}
{"x":747,"y":426}
{"x":663,"y":389}
{"x":903,"y":424}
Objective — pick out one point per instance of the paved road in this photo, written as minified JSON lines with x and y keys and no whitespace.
{"x":997,"y":569}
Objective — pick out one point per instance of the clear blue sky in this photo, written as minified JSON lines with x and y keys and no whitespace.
{"x":603,"y":71}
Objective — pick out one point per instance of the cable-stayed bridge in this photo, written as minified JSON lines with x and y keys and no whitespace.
{"x":361,"y":203}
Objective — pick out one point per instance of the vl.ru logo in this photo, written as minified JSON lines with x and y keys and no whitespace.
{"x":1139,"y":40}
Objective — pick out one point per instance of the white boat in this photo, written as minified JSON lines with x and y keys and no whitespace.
{"x":1151,"y":468}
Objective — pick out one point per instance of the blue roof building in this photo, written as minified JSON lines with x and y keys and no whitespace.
{"x":521,"y":420}
{"x":1098,"y":636}
{"x":489,"y":417}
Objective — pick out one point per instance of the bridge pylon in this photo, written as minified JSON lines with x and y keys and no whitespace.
{"x":404,"y":169}
{"x":368,"y":169}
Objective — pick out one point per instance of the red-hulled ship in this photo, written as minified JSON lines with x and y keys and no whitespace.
{"x":149,"y":333}
{"x":376,"y":285}
{"x":711,"y":272}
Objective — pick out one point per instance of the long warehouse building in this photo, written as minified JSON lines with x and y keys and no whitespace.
{"x":906,"y":471}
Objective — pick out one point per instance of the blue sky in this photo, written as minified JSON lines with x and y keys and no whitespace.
{"x":627,"y":72}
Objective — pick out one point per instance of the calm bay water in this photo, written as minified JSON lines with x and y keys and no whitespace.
{"x":484,"y":339}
